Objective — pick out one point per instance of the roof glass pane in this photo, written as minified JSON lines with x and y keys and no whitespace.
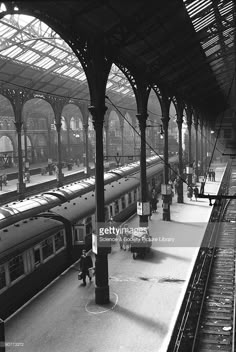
{"x":213,"y":40}
{"x":212,"y":50}
{"x":109,"y":84}
{"x":11,"y":52}
{"x":125,"y":91}
{"x":61,"y":69}
{"x":42,"y":46}
{"x":45,"y":63}
{"x":72,"y":72}
{"x":81,"y":77}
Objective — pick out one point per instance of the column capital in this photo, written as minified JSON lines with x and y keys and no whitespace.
{"x":179,"y":119}
{"x":142,"y":119}
{"x":97,"y":113}
{"x":58,"y":126}
{"x":18,"y":125}
{"x":165,"y":121}
{"x":85,"y":126}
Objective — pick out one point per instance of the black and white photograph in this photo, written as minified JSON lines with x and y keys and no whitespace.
{"x":117,"y":176}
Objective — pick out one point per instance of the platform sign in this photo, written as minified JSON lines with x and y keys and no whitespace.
{"x":139,"y":208}
{"x":94,"y":243}
{"x":143,"y":208}
{"x":166,"y":189}
{"x":189,"y":170}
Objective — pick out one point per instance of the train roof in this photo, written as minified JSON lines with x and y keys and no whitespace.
{"x":83,"y":206}
{"x":24,"y":234}
{"x":24,"y":208}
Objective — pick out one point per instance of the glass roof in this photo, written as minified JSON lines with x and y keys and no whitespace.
{"x":25,"y":39}
{"x":213,"y":21}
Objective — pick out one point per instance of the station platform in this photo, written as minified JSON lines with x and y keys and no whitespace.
{"x":146,"y":294}
{"x":37,"y":178}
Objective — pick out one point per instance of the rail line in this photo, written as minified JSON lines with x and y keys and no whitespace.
{"x":206,"y":321}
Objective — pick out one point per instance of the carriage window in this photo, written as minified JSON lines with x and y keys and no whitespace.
{"x":111,"y":211}
{"x":2,"y":277}
{"x":37,"y":256}
{"x":116,"y":207}
{"x":129,"y":198}
{"x":123,"y":205}
{"x":106,"y":213}
{"x":16,"y":267}
{"x":47,"y":248}
{"x":79,"y":234}
{"x":135,"y":195}
{"x":59,"y":241}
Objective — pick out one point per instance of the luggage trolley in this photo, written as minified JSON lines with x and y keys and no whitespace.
{"x":141,"y":242}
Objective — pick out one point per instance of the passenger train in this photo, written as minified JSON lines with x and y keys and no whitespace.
{"x":41,"y":236}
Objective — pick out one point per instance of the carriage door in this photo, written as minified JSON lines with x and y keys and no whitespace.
{"x":79,"y":234}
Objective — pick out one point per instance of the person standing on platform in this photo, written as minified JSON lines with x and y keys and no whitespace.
{"x":85,"y":264}
{"x":190,"y":192}
{"x":213,"y":175}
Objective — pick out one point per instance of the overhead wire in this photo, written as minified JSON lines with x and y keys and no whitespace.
{"x":144,"y":139}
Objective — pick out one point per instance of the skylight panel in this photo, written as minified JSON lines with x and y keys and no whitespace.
{"x":42,"y":46}
{"x":116,"y":78}
{"x":211,"y":41}
{"x":23,"y":20}
{"x":212,"y":50}
{"x":11,"y":52}
{"x":81,"y":77}
{"x":55,"y":52}
{"x":211,"y":19}
{"x":61,"y":69}
{"x":72,"y":72}
{"x":27,"y":56}
{"x":201,"y":6}
{"x":109,"y":84}
{"x":3,"y":29}
{"x":45,"y":63}
{"x":119,"y":89}
{"x":126,"y":91}
{"x":228,"y":7}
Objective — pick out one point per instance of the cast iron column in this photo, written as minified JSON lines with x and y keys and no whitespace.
{"x":106,"y":126}
{"x":2,"y":336}
{"x":86,"y":148}
{"x":180,"y":198}
{"x":122,"y":144}
{"x":196,"y":145}
{"x":101,"y":264}
{"x":201,"y":148}
{"x":68,"y":142}
{"x":60,"y":174}
{"x":166,"y":198}
{"x":142,"y":117}
{"x":21,"y":184}
{"x":25,"y":142}
{"x":189,"y":124}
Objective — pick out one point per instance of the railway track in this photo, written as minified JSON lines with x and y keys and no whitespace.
{"x":207,"y":319}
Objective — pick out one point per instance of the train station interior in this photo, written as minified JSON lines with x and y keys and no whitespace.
{"x":99,"y":92}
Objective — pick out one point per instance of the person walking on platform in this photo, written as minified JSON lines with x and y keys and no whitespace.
{"x":196,"y":192}
{"x":202,"y":187}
